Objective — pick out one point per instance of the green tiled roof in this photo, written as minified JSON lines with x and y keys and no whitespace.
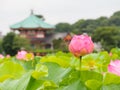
{"x":32,"y":22}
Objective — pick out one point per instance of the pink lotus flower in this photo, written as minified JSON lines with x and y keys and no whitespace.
{"x":114,"y":67}
{"x":81,"y":45}
{"x":21,"y":55}
{"x":1,"y":56}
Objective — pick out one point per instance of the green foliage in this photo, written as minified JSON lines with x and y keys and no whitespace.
{"x":64,"y":60}
{"x":77,"y":85}
{"x":12,"y":43}
{"x":60,"y":44}
{"x":1,"y":49}
{"x":56,"y":43}
{"x":63,"y":27}
{"x":86,"y":26}
{"x":10,"y":69}
{"x":93,"y":84}
{"x":56,"y":74}
{"x":96,"y":61}
{"x":44,"y":50}
{"x":89,"y":25}
{"x":8,"y":43}
{"x":40,"y":71}
{"x":20,"y":42}
{"x":115,"y":51}
{"x":115,"y":19}
{"x":108,"y":36}
{"x":60,"y":71}
{"x":19,"y":84}
{"x":111,"y":79}
{"x":77,"y":26}
{"x":111,"y":87}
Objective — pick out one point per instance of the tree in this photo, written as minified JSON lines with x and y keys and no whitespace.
{"x":20,"y":42}
{"x":101,"y":21}
{"x":77,"y":26}
{"x":60,"y":44}
{"x":63,"y":27}
{"x":115,"y":19}
{"x":108,"y":36}
{"x":1,"y":49}
{"x":12,"y":43}
{"x":8,"y":43}
{"x":89,"y":25}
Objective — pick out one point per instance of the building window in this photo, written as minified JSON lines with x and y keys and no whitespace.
{"x":23,"y":34}
{"x":31,"y":33}
{"x":40,"y":34}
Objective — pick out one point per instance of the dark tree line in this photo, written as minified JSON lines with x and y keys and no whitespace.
{"x":89,"y":25}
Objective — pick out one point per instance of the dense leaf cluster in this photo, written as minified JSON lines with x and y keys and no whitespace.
{"x":89,"y":25}
{"x":11,"y":43}
{"x":60,"y":71}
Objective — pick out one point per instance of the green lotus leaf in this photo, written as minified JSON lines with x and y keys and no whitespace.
{"x":18,"y":84}
{"x":35,"y":84}
{"x":111,"y":79}
{"x":40,"y":71}
{"x":111,"y":87}
{"x":88,"y":75}
{"x":77,"y":85}
{"x":63,"y":59}
{"x":93,"y":84}
{"x":96,"y":61}
{"x":10,"y":69}
{"x":56,"y":73}
{"x":115,"y":51}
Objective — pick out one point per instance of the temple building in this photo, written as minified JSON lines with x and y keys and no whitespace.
{"x":36,"y":30}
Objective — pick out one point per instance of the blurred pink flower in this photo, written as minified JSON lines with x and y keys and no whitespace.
{"x":81,"y":45}
{"x":21,"y":55}
{"x":1,"y":56}
{"x":7,"y":56}
{"x":114,"y":67}
{"x":110,"y":53}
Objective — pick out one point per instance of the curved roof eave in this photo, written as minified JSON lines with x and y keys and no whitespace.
{"x":32,"y":22}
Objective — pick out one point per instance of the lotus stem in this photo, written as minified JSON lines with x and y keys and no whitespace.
{"x":80,"y":64}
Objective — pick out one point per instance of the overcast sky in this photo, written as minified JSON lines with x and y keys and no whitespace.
{"x":54,"y":11}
